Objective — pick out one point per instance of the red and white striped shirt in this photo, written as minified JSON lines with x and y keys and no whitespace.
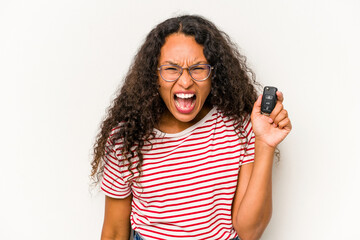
{"x":188,"y":181}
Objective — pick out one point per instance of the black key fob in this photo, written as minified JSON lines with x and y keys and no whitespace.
{"x":269,"y":99}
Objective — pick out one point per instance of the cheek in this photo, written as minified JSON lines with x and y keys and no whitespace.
{"x":160,"y":88}
{"x":164,"y":92}
{"x":207,"y":90}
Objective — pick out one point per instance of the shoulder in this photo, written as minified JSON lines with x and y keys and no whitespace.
{"x":115,"y":141}
{"x":243,"y":121}
{"x":114,"y":134}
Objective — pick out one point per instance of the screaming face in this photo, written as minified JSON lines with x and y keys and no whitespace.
{"x":184,"y":97}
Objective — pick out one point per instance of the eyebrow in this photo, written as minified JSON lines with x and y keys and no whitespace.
{"x":174,"y":63}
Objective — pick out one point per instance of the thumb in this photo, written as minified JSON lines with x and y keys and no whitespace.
{"x":257,"y":106}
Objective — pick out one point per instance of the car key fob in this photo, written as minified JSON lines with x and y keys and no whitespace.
{"x":269,"y":99}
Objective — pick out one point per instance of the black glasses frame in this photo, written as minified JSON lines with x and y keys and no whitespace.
{"x":189,"y":71}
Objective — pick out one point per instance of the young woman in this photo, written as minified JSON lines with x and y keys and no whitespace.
{"x":185,"y":152}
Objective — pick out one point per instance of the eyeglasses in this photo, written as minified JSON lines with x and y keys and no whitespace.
{"x":198,"y":72}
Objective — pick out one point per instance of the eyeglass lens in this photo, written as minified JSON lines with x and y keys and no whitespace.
{"x":173,"y":72}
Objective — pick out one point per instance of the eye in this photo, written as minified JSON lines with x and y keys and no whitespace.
{"x":198,"y":68}
{"x":170,"y":68}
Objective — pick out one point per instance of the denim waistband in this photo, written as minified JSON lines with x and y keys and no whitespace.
{"x":137,"y":236}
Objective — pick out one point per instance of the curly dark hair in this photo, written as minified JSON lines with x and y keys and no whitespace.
{"x":138,"y":106}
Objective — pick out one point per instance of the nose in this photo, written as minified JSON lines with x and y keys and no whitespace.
{"x":185,"y":80}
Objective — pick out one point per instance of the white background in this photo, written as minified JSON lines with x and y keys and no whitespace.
{"x":62,"y":61}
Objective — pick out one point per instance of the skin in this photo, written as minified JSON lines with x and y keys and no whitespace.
{"x":252,"y":204}
{"x":116,"y":224}
{"x":183,"y":51}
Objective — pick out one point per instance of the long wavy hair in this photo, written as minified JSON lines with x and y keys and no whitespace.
{"x":138,"y":106}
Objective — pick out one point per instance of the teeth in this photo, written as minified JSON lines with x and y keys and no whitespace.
{"x":184,"y":95}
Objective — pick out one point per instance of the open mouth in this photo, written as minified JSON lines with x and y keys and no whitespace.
{"x":185,"y":102}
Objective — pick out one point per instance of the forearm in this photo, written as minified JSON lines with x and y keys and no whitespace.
{"x":254,"y":210}
{"x":117,"y":219}
{"x":123,"y":234}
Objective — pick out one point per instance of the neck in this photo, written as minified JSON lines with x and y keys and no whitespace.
{"x":169,"y":124}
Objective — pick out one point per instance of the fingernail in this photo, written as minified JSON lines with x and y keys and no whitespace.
{"x":270,"y":120}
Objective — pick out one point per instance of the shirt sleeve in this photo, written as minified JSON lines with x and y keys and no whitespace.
{"x":113,"y":183}
{"x":249,"y":147}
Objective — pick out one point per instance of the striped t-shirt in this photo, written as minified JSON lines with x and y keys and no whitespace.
{"x":188,"y":179}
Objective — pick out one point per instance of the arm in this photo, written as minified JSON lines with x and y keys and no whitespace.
{"x":117,"y":219}
{"x":252,"y":206}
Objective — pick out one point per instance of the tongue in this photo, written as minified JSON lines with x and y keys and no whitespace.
{"x":184,"y":102}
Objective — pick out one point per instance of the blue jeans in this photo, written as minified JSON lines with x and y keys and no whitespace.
{"x":137,"y":236}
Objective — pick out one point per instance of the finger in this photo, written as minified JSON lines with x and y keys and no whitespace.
{"x":281,"y":116}
{"x":257,"y":105}
{"x":280,"y":96}
{"x":277,"y":109}
{"x":285,"y":124}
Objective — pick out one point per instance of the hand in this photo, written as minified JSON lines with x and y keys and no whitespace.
{"x":272,"y":129}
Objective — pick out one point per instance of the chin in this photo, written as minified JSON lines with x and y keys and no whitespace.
{"x":185,"y":117}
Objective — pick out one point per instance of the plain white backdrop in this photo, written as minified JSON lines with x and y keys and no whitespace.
{"x":61,"y":63}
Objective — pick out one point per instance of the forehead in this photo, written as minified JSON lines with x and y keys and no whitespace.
{"x":180,"y":48}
